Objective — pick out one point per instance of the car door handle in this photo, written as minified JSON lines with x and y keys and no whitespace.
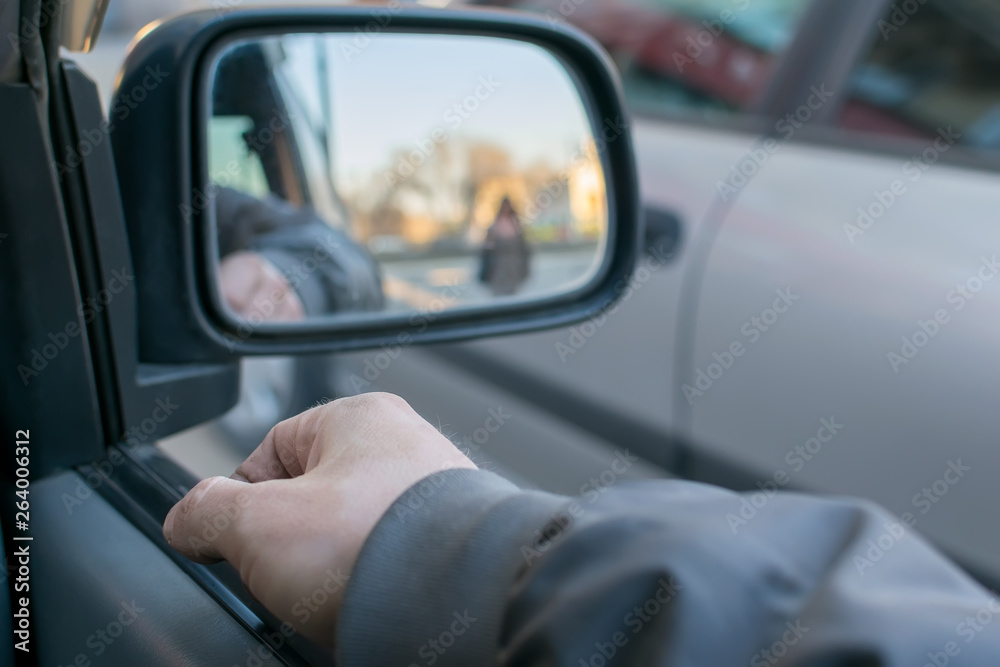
{"x":661,"y":230}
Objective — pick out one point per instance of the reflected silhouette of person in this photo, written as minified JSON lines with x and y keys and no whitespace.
{"x":506,"y":255}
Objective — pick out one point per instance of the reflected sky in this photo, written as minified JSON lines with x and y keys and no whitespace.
{"x":393,"y":91}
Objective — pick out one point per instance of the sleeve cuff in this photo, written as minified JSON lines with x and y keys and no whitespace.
{"x":450,"y":547}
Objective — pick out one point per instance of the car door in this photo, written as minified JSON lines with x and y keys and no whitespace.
{"x":855,"y":272}
{"x":702,"y":80}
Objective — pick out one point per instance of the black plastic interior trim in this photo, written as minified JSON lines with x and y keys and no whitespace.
{"x":132,"y":397}
{"x":40,"y":300}
{"x":144,"y":497}
{"x":66,"y":141}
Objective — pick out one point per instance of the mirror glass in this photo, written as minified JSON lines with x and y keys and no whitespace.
{"x":390,"y":172}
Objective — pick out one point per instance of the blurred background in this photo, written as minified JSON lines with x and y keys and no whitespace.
{"x":814,"y":308}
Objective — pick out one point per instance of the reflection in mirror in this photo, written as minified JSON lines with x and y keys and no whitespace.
{"x":406,"y":172}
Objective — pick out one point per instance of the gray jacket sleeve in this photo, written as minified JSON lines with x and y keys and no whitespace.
{"x":329,"y":271}
{"x":466,"y":569}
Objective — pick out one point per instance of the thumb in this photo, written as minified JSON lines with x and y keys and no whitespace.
{"x":205,"y":524}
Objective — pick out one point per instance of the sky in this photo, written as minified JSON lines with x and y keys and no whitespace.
{"x":393,"y":90}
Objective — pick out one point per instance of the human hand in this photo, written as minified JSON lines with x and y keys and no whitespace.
{"x":252,"y":285}
{"x":303,"y":503}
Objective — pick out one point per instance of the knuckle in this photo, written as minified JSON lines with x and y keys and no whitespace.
{"x":285,"y":430}
{"x":204,"y":487}
{"x":377,"y":400}
{"x":343,"y":407}
{"x":196,"y":496}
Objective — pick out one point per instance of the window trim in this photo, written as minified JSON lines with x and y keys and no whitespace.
{"x":826,"y":49}
{"x":818,"y":16}
{"x":824,"y":132}
{"x":838,"y":58}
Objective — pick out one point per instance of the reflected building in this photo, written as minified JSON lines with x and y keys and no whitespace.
{"x":556,"y":206}
{"x":587,"y":196}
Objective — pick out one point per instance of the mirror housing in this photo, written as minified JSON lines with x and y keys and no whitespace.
{"x":159,"y":154}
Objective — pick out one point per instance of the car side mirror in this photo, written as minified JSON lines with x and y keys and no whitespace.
{"x":309,"y":180}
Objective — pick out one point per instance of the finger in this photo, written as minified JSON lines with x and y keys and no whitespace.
{"x":205,"y":524}
{"x":278,"y":456}
{"x":275,"y":300}
{"x":241,"y":276}
{"x":235,"y":291}
{"x":290,"y":308}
